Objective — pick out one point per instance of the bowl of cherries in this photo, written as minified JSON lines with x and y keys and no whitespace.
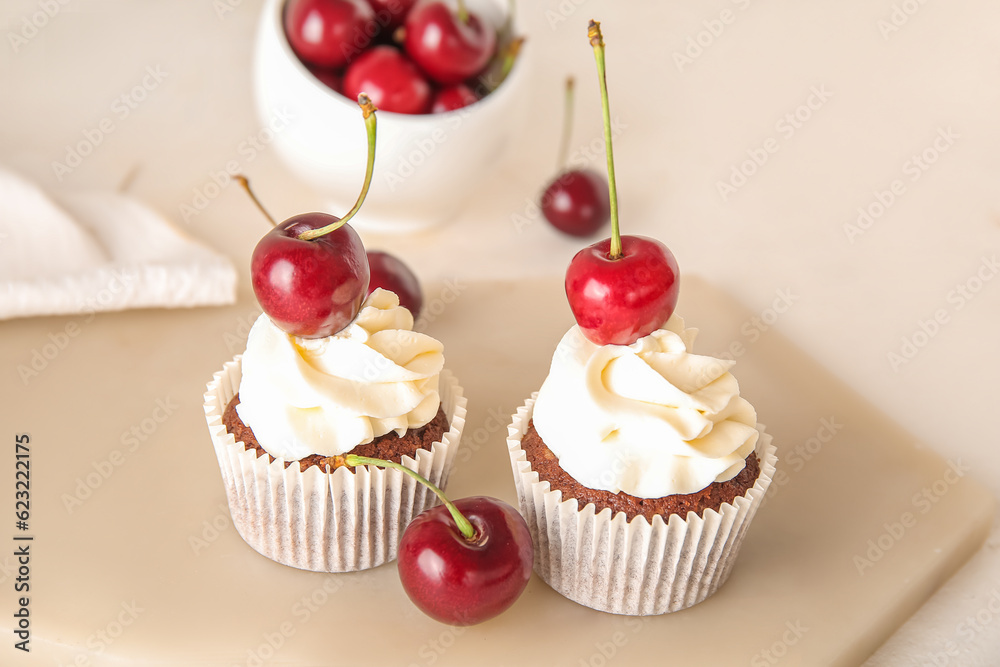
{"x":447,"y":76}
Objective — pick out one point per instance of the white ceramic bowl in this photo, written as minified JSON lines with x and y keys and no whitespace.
{"x":426,"y":166}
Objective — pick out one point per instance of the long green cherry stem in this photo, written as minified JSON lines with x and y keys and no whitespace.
{"x":368,"y":109}
{"x":597,"y":41}
{"x":567,"y":128}
{"x":246,"y":186}
{"x":468,"y":532}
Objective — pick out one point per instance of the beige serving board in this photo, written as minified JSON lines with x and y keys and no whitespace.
{"x":134,"y":559}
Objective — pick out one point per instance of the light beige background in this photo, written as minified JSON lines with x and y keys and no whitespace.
{"x":784,"y":232}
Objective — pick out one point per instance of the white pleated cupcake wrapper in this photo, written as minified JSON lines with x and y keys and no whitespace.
{"x":326,"y":522}
{"x":636,"y":568}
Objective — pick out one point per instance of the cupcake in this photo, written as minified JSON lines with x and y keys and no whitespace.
{"x":638,"y":468}
{"x":284,"y":413}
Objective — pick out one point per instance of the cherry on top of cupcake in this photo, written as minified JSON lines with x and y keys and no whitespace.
{"x":311,"y":273}
{"x":624,"y":287}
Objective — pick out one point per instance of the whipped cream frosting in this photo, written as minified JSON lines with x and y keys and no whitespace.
{"x":328,"y":395}
{"x":651,"y":419}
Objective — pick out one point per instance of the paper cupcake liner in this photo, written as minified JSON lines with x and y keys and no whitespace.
{"x":320,"y":521}
{"x":639,"y":568}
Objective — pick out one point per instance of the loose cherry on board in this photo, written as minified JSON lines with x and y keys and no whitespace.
{"x":389,"y":272}
{"x":576,"y":201}
{"x":310,"y":273}
{"x":625,"y":287}
{"x":450,"y":47}
{"x":462,"y":563}
{"x":328,"y":33}
{"x":390,"y":79}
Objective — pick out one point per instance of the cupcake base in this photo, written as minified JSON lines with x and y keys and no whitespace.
{"x":341,"y":521}
{"x":639,"y":567}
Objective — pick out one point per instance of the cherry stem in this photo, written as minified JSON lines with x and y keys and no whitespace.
{"x":464,"y":526}
{"x":567,"y":128}
{"x":129,"y":178}
{"x":368,"y":109}
{"x":597,"y":41}
{"x":246,"y":186}
{"x":510,"y":54}
{"x":462,"y":12}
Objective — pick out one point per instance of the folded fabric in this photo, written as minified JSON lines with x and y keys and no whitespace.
{"x":99,"y":251}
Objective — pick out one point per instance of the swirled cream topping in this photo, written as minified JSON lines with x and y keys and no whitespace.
{"x":328,"y":395}
{"x":650,"y":419}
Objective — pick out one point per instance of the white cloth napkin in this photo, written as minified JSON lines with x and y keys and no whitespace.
{"x":98,"y":251}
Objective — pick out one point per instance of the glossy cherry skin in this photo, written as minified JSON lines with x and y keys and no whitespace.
{"x":444,"y":47}
{"x":313,"y":288}
{"x":459,"y":582}
{"x":389,"y":272}
{"x":391,"y":81}
{"x":576,"y":202}
{"x":391,"y":13}
{"x":453,"y":97}
{"x":618,"y":301}
{"x":329,"y":33}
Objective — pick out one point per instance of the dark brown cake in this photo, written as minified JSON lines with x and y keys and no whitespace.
{"x":545,"y":463}
{"x":390,"y":446}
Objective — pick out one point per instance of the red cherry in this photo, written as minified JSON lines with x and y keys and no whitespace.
{"x":391,"y":81}
{"x":453,"y":97}
{"x":312,"y":288}
{"x":329,"y":33}
{"x":460,"y":581}
{"x":618,"y":301}
{"x":391,"y":13}
{"x":389,"y":272}
{"x":577,"y":202}
{"x":446,"y":47}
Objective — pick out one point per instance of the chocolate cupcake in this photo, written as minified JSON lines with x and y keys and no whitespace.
{"x":375,"y":387}
{"x":638,"y":468}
